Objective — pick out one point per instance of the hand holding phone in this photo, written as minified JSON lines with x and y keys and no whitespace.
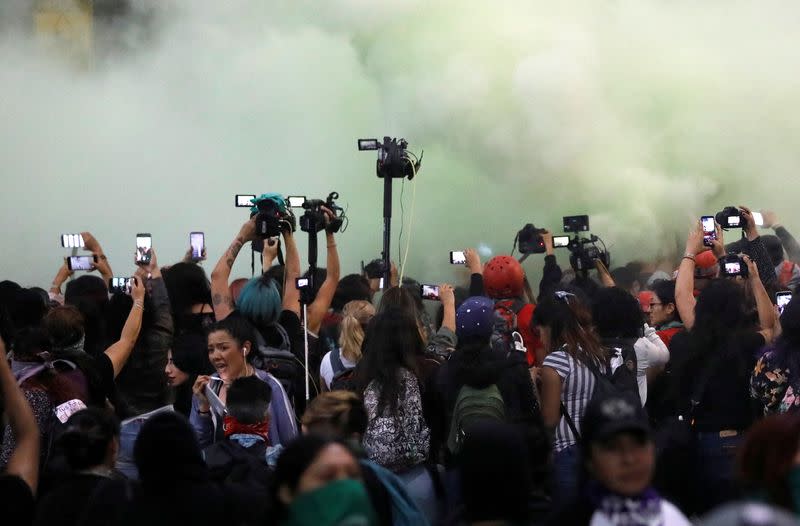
{"x":709,"y":230}
{"x":120,"y":285}
{"x":144,"y":246}
{"x":81,"y":263}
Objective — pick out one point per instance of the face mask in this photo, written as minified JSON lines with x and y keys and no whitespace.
{"x":340,"y":503}
{"x":793,"y":481}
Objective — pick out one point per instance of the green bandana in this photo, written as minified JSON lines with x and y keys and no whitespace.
{"x":340,"y":503}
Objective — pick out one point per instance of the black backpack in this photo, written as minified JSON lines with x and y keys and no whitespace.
{"x":279,"y":361}
{"x":231,"y":463}
{"x":343,"y":377}
{"x":622,"y":359}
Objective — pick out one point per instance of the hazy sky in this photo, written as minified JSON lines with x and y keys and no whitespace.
{"x":643,"y":114}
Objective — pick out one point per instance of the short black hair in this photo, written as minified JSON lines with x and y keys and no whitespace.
{"x":248,"y":400}
{"x":351,"y":288}
{"x":617,"y":314}
{"x":86,"y":437}
{"x":665,"y":290}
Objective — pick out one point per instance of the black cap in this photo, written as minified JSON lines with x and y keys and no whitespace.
{"x":610,"y":415}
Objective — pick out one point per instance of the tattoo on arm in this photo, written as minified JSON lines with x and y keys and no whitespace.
{"x":221,"y":299}
{"x":233,"y":251}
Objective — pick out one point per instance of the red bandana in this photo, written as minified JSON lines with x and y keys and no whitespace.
{"x":234,"y":427}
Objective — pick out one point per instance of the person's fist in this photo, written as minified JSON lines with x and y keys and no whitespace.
{"x":137,"y":289}
{"x":473,"y":261}
{"x":248,"y":230}
{"x":694,"y":241}
{"x":447,"y":294}
{"x":90,"y":243}
{"x":199,"y":391}
{"x":770,"y":218}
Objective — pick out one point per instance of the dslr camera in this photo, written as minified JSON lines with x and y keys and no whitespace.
{"x":730,"y":217}
{"x":732,"y":265}
{"x":394,"y":159}
{"x":529,"y":240}
{"x":313,"y":219}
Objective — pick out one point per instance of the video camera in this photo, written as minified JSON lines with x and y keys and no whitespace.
{"x":584,"y":251}
{"x":394,"y":159}
{"x":313,"y":219}
{"x":272,"y":217}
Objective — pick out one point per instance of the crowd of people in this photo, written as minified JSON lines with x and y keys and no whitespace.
{"x":650,"y":394}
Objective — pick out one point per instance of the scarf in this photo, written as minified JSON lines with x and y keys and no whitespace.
{"x":339,"y":503}
{"x":234,"y":427}
{"x":25,"y":370}
{"x":641,"y":510}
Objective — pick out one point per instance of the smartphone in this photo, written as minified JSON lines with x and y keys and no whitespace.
{"x":782,"y":299}
{"x":244,"y":200}
{"x":709,"y":230}
{"x":120,"y":285}
{"x":429,"y":292}
{"x":380,"y":284}
{"x":457,"y":257}
{"x":296,"y":201}
{"x":72,"y":241}
{"x":80,"y":262}
{"x":758,"y":217}
{"x":560,"y":241}
{"x":197,"y":240}
{"x":144,"y":243}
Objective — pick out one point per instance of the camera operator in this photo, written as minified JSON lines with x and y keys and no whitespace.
{"x":753,"y":246}
{"x":787,"y":269}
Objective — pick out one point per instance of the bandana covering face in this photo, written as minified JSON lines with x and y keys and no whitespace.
{"x":340,"y":503}
{"x":642,"y":510}
{"x":234,"y":427}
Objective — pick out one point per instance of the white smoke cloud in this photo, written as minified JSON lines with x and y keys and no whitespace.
{"x":643,"y":114}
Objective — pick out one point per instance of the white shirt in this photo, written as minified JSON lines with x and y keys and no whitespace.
{"x":669,"y":513}
{"x":650,"y":352}
{"x":326,"y":367}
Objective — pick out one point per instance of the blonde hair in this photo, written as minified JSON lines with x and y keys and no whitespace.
{"x":355,"y":316}
{"x":340,"y":413}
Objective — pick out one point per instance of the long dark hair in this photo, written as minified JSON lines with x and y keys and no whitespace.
{"x":391,"y":344}
{"x":33,"y":345}
{"x":617,"y":314}
{"x":720,"y":317}
{"x":187,"y":285}
{"x":565,"y":313}
{"x":87,"y":436}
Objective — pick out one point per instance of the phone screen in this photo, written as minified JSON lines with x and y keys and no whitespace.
{"x":560,"y":241}
{"x":783,"y":299}
{"x":758,"y":218}
{"x":121,"y":285}
{"x":197,"y":242}
{"x":709,"y":230}
{"x":457,"y":257}
{"x":244,"y":200}
{"x":734,"y":221}
{"x":72,"y":241}
{"x":80,"y":262}
{"x":144,"y":242}
{"x":430,"y":292}
{"x":380,"y":284}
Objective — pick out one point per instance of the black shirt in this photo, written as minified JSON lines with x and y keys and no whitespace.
{"x":66,"y":504}
{"x":725,"y":403}
{"x":16,"y":500}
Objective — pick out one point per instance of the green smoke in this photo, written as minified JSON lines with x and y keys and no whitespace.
{"x":642,"y":114}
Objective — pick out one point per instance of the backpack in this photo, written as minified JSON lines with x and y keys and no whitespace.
{"x":623,"y":365}
{"x":505,"y":324}
{"x":343,"y":377}
{"x":473,"y":405}
{"x":231,"y":463}
{"x":405,"y":511}
{"x":280,"y":362}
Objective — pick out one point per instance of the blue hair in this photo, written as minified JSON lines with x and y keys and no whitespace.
{"x":260,"y":301}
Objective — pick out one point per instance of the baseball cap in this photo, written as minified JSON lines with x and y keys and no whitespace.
{"x":607,"y":416}
{"x":645,"y":297}
{"x":475,"y":317}
{"x":705,"y":265}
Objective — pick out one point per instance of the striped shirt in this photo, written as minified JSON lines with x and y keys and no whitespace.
{"x":576,"y":390}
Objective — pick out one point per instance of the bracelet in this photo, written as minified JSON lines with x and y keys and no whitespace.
{"x":691,"y":258}
{"x":138,"y":304}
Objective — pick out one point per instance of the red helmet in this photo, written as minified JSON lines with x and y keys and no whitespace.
{"x":503,"y":277}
